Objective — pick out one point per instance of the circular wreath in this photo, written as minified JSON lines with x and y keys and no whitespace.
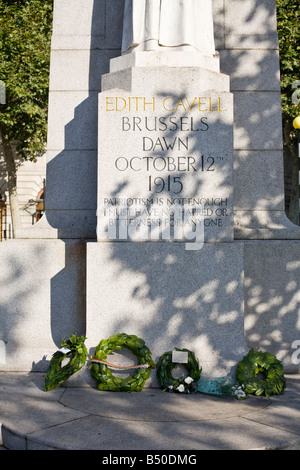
{"x":256,"y":362}
{"x":166,"y":379}
{"x":73,"y":349}
{"x":102,"y":374}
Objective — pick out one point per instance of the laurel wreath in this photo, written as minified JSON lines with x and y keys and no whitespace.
{"x":75,"y":350}
{"x":102,"y":374}
{"x":256,"y":362}
{"x":178,"y":384}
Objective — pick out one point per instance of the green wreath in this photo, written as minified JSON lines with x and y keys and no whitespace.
{"x":256,"y":362}
{"x":102,"y":374}
{"x":75,"y":350}
{"x":166,"y":379}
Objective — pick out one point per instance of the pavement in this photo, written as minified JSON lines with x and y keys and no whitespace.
{"x":84,"y":418}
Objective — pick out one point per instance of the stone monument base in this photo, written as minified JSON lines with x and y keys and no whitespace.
{"x":43,"y":299}
{"x":171,"y":298}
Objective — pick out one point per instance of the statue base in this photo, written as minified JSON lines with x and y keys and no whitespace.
{"x":164,"y":58}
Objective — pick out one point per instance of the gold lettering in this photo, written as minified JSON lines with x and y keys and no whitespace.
{"x":107,"y":103}
{"x":138,"y":103}
{"x":192,"y":105}
{"x":151,"y":104}
{"x":137,"y":98}
{"x":201,"y":104}
{"x":164,"y":102}
{"x":124,"y":103}
{"x":180,"y":103}
{"x":219,"y":106}
{"x":209,"y":106}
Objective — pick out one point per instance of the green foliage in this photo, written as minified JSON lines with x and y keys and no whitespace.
{"x":178,"y":384}
{"x":265,"y":363}
{"x":77,"y":354}
{"x":25,"y":32}
{"x":288,"y":27}
{"x":105,"y":379}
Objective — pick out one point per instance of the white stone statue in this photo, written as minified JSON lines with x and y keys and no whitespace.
{"x":153,"y":24}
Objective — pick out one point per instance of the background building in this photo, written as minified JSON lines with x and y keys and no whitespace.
{"x":31,"y":192}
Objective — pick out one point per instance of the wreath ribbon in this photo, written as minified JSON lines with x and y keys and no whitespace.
{"x":114,"y":366}
{"x":103,"y":375}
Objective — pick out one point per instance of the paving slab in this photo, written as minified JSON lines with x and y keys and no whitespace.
{"x":72,"y":418}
